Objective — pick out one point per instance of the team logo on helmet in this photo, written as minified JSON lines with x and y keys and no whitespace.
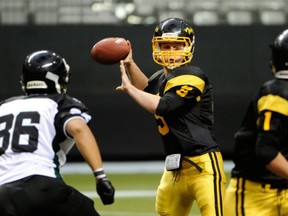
{"x":189,"y":30}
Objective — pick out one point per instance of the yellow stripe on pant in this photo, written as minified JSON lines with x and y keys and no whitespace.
{"x":249,"y":198}
{"x":179,"y":189}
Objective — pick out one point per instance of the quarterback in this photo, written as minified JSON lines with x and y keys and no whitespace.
{"x":180,"y":97}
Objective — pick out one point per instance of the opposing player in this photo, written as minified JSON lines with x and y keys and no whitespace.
{"x":259,"y":180}
{"x":181,"y":99}
{"x":37,"y":131}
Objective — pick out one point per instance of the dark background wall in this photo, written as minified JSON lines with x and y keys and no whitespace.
{"x":235,"y":58}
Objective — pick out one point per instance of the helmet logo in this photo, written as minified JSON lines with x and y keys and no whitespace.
{"x":53,"y":77}
{"x":67,"y":67}
{"x":188,"y":30}
{"x":156,"y":29}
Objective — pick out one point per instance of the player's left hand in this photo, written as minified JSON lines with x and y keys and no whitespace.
{"x":105,"y":190}
{"x":124,"y":78}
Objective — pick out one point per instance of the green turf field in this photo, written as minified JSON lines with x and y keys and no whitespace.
{"x":135,"y":193}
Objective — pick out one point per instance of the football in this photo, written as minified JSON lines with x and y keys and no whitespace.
{"x":110,"y":50}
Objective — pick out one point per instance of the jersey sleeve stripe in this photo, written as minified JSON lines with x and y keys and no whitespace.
{"x":69,"y":119}
{"x":273,"y":103}
{"x":190,"y":80}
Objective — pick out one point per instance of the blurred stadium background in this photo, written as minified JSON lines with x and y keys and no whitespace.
{"x":232,"y":38}
{"x":121,"y":12}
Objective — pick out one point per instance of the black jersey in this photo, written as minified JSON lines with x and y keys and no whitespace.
{"x":184,"y":115}
{"x":263,"y":134}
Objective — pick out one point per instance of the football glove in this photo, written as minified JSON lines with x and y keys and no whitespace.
{"x":104,"y":187}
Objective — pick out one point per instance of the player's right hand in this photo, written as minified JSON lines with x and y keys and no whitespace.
{"x":105,"y":190}
{"x":129,"y":59}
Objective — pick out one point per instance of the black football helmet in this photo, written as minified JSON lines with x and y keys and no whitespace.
{"x":44,"y":71}
{"x":173,"y":30}
{"x":279,"y":52}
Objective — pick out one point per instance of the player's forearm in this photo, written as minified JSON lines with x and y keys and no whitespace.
{"x":89,"y":150}
{"x":136,"y":76}
{"x":85,"y":142}
{"x":279,"y":166}
{"x":147,"y":101}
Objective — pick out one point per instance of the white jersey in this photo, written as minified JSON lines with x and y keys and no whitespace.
{"x":33,"y":140}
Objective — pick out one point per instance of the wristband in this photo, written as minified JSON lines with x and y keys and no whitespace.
{"x":99,"y":173}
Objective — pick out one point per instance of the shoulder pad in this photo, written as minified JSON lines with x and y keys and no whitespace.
{"x":188,"y":70}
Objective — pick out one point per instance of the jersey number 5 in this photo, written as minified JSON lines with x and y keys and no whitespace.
{"x":10,"y":133}
{"x":162,"y":125}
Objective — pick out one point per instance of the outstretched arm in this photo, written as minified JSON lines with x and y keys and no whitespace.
{"x":136,"y":76}
{"x":148,"y":101}
{"x":85,"y":142}
{"x":88,"y":147}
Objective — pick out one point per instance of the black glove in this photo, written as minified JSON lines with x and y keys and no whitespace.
{"x":105,"y":190}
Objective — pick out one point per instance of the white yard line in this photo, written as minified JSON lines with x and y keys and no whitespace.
{"x":124,"y":213}
{"x":125,"y":167}
{"x":125,"y":193}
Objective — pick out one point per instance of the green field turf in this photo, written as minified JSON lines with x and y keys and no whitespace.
{"x":135,"y":193}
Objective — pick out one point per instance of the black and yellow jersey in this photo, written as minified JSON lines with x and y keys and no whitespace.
{"x":184,"y":115}
{"x":263,"y":134}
